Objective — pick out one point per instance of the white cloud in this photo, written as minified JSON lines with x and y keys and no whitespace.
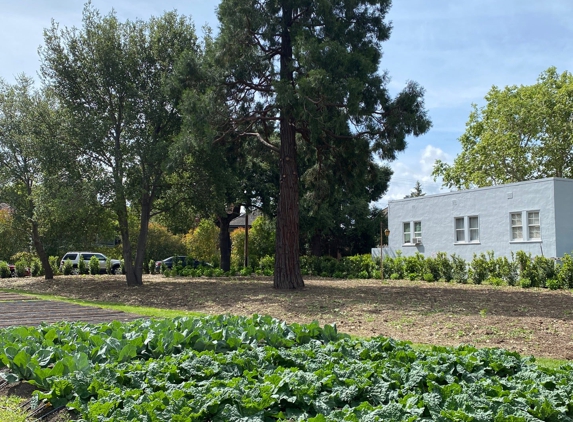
{"x":413,"y":168}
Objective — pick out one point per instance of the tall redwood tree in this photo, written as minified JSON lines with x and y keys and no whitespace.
{"x":309,"y":69}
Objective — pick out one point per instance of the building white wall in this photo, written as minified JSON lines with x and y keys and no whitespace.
{"x":564,"y":216}
{"x":493,"y":206}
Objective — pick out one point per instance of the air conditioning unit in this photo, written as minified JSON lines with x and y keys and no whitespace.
{"x":417,"y":241}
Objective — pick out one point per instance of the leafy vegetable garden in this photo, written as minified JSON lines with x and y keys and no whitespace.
{"x":229,"y":368}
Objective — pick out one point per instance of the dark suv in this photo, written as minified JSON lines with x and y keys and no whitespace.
{"x":181,"y":260}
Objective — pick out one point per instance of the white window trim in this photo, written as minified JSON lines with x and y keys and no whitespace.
{"x":412,"y":225}
{"x":525,"y":228}
{"x":456,"y":241}
{"x":467,"y":241}
{"x":404,"y":223}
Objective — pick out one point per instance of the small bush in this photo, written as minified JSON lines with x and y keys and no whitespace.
{"x":394,"y":276}
{"x":36,"y":269}
{"x":82,"y":269}
{"x":545,"y":268}
{"x":151,"y":266}
{"x":553,"y":284}
{"x":267,"y":263}
{"x":68,"y":267}
{"x":432,"y":266}
{"x":495,"y":281}
{"x":565,"y":274}
{"x":479,"y":269}
{"x":108,"y":269}
{"x":413,"y":276}
{"x":55,"y":264}
{"x":94,"y":265}
{"x":245,"y":271}
{"x":444,"y":266}
{"x":4,"y":270}
{"x":525,"y":282}
{"x":429,"y":277}
{"x":459,"y":269}
{"x":21,"y":267}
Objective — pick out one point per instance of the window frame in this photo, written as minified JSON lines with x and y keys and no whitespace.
{"x":475,"y":229}
{"x":526,"y":228}
{"x":529,"y":225}
{"x":515,"y":226}
{"x":461,"y":230}
{"x":463,"y":234}
{"x":417,"y":233}
{"x":407,"y":233}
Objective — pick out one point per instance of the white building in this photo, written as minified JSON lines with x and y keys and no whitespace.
{"x":534,"y":216}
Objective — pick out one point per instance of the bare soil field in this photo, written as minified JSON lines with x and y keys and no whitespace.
{"x":530,"y":321}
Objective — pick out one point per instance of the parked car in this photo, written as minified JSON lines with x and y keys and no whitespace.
{"x":74,"y":257}
{"x":184,"y":261}
{"x":15,"y":274}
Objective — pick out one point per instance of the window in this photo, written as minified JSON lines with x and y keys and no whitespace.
{"x":417,"y":229}
{"x":516,"y":226}
{"x":525,"y":226}
{"x":467,"y":229}
{"x":407,"y":233}
{"x":474,"y":229}
{"x":533,"y":227}
{"x":460,"y":230}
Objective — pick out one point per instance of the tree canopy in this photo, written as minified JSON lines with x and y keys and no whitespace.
{"x":116,"y":78}
{"x":308,"y":69}
{"x":522,"y":133}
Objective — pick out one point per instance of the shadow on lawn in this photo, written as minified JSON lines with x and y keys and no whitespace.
{"x":374,"y":297}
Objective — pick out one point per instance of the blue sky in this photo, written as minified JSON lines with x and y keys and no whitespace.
{"x":455,"y":49}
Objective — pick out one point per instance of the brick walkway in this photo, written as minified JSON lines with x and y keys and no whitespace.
{"x":16,"y":309}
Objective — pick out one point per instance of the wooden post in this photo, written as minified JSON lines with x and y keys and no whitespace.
{"x":382,"y":250}
{"x":246,"y":237}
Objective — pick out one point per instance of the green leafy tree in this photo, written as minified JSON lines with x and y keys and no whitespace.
{"x":238,"y":248}
{"x":308,"y":69}
{"x":161,"y":243}
{"x":31,"y":127}
{"x":262,"y":238}
{"x":202,"y":242}
{"x":13,"y":240}
{"x":522,"y":133}
{"x":116,"y":79}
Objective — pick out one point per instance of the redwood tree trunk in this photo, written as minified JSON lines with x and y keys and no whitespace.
{"x":287,"y":269}
{"x":39,"y":246}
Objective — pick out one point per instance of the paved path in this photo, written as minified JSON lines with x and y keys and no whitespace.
{"x":16,"y":309}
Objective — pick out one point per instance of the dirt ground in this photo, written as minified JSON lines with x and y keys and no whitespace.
{"x":530,"y":321}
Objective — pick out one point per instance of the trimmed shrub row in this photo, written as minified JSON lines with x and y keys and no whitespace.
{"x":520,"y":270}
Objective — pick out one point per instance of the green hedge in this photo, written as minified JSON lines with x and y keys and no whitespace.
{"x":520,"y":270}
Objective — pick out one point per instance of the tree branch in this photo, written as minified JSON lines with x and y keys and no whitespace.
{"x":262,"y":140}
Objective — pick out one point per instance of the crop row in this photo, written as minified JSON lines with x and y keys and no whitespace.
{"x":260,"y":369}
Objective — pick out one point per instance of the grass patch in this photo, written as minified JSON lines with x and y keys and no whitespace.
{"x":10,"y":409}
{"x":140,"y":310}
